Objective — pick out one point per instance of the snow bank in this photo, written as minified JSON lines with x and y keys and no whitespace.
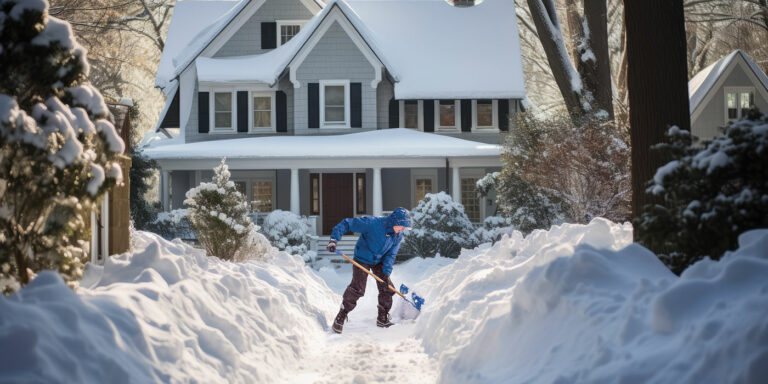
{"x":580,"y":303}
{"x":165,"y":313}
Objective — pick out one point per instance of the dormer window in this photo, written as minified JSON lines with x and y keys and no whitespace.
{"x":738,"y":102}
{"x":287,"y":29}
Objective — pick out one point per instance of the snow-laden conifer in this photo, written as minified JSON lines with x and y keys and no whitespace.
{"x":219,"y":215}
{"x":57,"y":148}
{"x":439,"y":226}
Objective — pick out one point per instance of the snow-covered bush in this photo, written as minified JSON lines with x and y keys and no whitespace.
{"x":219,"y":215}
{"x":173,"y":224}
{"x":492,"y":229}
{"x":577,"y":167}
{"x":57,"y":147}
{"x":439,"y":226}
{"x":287,"y":231}
{"x":708,"y":195}
{"x":142,"y":212}
{"x":487,"y":183}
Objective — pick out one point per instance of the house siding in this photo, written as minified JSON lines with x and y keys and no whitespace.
{"x":396,"y":188}
{"x":335,"y":57}
{"x":384,"y":92}
{"x":708,"y":124}
{"x":247,"y":40}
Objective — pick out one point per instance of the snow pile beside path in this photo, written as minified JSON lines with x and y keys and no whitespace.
{"x":580,"y":303}
{"x":165,"y":313}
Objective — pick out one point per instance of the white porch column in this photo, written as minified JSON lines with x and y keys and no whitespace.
{"x":377,"y":203}
{"x":295,"y":191}
{"x":164,"y":180}
{"x":456,"y":185}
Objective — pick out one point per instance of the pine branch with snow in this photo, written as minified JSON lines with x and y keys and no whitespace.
{"x":57,"y":148}
{"x":219,"y":215}
{"x":708,"y":195}
{"x":439,"y":226}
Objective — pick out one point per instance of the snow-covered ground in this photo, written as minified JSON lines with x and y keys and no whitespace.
{"x":578,"y":303}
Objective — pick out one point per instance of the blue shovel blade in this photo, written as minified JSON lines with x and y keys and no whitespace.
{"x":416,"y":301}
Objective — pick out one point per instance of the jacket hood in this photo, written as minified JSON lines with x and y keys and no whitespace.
{"x":400,"y":216}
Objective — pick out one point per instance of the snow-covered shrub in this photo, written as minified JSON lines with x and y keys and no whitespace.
{"x":173,"y":224}
{"x":579,"y":164}
{"x":57,"y":147}
{"x":439,"y":226}
{"x":492,"y":229}
{"x":219,"y":215}
{"x":142,"y":212}
{"x":708,"y":195}
{"x":487,"y":183}
{"x":287,"y":231}
{"x":528,"y":206}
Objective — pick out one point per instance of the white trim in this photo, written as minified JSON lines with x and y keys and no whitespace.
{"x":494,"y":127}
{"x":212,"y":130}
{"x":738,"y":91}
{"x":338,"y":16}
{"x":347,"y":121}
{"x":422,"y":173}
{"x":271,"y":128}
{"x":419,"y":112}
{"x":280,"y":23}
{"x":720,"y":83}
{"x":456,"y":118}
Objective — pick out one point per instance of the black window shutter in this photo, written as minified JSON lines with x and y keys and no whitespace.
{"x":466,"y":115}
{"x":268,"y":35}
{"x":282,"y":111}
{"x":242,"y":111}
{"x":356,"y":105}
{"x":503,"y":114}
{"x":394,"y":113}
{"x":313,"y":108}
{"x":202,"y":112}
{"x":429,"y":115}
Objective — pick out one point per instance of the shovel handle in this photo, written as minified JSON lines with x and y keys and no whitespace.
{"x":369,"y":272}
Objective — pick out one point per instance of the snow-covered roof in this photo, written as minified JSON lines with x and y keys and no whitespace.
{"x":702,"y":83}
{"x":190,"y":18}
{"x":389,"y":143}
{"x":432,"y":49}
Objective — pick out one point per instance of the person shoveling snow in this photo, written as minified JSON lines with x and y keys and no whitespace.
{"x":375,"y":250}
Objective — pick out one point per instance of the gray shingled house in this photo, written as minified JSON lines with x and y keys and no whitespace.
{"x":340,"y":109}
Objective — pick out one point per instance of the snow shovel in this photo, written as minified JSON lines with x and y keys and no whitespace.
{"x":416,"y":301}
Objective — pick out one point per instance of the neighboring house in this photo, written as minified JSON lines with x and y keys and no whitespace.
{"x":724,"y":91}
{"x":340,"y":109}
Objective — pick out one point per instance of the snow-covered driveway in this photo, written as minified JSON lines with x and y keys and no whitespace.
{"x":365,"y":353}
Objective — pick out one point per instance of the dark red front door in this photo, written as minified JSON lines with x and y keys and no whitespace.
{"x":337,"y":199}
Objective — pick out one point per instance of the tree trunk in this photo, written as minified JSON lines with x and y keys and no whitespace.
{"x":657,"y":84}
{"x":548,"y":28}
{"x":595,"y":69}
{"x":21,"y":266}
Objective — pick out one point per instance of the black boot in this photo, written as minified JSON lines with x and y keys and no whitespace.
{"x":383,"y":320}
{"x":338,"y":324}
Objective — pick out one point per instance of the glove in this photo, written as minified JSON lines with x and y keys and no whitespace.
{"x":331,"y":247}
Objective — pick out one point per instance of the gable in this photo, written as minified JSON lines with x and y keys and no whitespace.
{"x":335,"y":56}
{"x":246,"y":40}
{"x":732,"y":71}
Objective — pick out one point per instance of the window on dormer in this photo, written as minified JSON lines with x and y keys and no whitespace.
{"x":738,"y":102}
{"x":287,"y":29}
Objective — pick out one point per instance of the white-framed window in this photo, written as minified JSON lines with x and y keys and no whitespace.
{"x":738,"y":101}
{"x":287,"y":29}
{"x":262,"y":195}
{"x":222,"y":107}
{"x":423,"y":181}
{"x":411,"y":115}
{"x":334,"y":104}
{"x":447,"y":115}
{"x":262,"y":116}
{"x":485,"y":115}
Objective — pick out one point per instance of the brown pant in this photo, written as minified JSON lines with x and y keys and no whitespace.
{"x":356,"y":288}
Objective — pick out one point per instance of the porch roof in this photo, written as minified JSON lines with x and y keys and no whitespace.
{"x":384,"y":144}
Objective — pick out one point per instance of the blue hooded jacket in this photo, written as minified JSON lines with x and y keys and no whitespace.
{"x":378,"y":242}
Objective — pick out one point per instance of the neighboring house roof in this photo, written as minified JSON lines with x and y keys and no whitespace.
{"x":385,"y":143}
{"x":704,"y":81}
{"x":190,"y":18}
{"x":432,"y":49}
